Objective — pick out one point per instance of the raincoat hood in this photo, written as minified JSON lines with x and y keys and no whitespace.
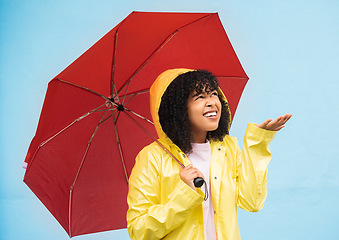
{"x":159,"y":87}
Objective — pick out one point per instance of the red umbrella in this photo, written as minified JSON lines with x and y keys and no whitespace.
{"x":84,"y":148}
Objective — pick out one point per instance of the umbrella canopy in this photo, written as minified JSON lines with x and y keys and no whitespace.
{"x":80,"y":159}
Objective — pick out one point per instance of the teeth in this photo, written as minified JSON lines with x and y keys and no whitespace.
{"x":210,"y":114}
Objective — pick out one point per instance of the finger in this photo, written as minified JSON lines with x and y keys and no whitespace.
{"x":268,"y":121}
{"x":188,"y":167}
{"x":184,"y":170}
{"x":284,"y":119}
{"x":272,"y":125}
{"x":288,"y":117}
{"x":187,"y":171}
{"x":200,"y":174}
{"x":188,"y":176}
{"x":193,"y":173}
{"x":190,"y":171}
{"x":277,"y":124}
{"x":279,"y":121}
{"x":265,"y":124}
{"x":278,"y":128}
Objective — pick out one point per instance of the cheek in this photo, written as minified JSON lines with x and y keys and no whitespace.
{"x":194,"y":113}
{"x":192,"y":108}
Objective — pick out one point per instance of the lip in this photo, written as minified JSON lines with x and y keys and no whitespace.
{"x":211,"y":111}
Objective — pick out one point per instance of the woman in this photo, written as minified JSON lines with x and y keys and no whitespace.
{"x":192,"y":118}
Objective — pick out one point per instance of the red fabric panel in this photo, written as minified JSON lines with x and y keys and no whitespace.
{"x":99,"y":201}
{"x":93,"y":69}
{"x":63,"y":104}
{"x":148,"y":31}
{"x":102,"y":178}
{"x":54,"y":167}
{"x":232,"y":88}
{"x":200,"y":45}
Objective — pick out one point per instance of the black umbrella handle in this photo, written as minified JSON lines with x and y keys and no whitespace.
{"x":198,"y":182}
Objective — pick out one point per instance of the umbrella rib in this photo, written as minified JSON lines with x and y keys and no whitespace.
{"x":111,"y":109}
{"x":149,"y":58}
{"x":209,"y":15}
{"x":90,"y":90}
{"x":106,"y":118}
{"x":115,"y":121}
{"x":138,"y":115}
{"x":69,"y":125}
{"x":70,"y":212}
{"x":123,"y":100}
{"x":120,"y":150}
{"x":138,"y":93}
{"x":156,"y":140}
{"x":86,"y":151}
{"x":114,"y":88}
{"x":79,"y":169}
{"x":133,"y":95}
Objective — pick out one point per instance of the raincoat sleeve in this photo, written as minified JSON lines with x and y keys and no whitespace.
{"x":252,"y":164}
{"x":149,"y":216}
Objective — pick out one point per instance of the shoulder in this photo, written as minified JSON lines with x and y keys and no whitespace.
{"x":230,"y":140}
{"x":151,"y":154}
{"x":151,"y":149}
{"x":147,"y":163}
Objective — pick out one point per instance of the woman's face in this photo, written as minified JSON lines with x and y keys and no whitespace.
{"x":204,"y":111}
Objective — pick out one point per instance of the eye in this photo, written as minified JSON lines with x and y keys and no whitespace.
{"x":199,"y":97}
{"x":214,"y":93}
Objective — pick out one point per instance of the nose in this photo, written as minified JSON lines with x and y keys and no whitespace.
{"x":210,"y":103}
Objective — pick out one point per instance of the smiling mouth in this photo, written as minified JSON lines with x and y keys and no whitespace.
{"x":210,"y":114}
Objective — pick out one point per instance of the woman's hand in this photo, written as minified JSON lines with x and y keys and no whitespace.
{"x":188,"y":174}
{"x":275,"y":125}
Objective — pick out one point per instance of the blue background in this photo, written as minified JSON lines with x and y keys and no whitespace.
{"x":289,"y":49}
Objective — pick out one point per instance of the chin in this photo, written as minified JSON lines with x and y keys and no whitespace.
{"x":212,"y":129}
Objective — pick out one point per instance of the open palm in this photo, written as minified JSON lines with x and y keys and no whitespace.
{"x":275,"y":125}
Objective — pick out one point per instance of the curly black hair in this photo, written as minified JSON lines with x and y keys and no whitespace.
{"x":173,"y":115}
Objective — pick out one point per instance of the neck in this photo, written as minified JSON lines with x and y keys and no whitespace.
{"x":201,"y":138}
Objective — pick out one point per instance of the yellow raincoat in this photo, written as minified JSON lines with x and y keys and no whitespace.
{"x":162,"y":206}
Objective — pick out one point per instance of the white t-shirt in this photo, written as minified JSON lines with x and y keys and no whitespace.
{"x":200,"y":158}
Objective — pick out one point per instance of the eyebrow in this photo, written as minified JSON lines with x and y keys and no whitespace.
{"x":198,"y":93}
